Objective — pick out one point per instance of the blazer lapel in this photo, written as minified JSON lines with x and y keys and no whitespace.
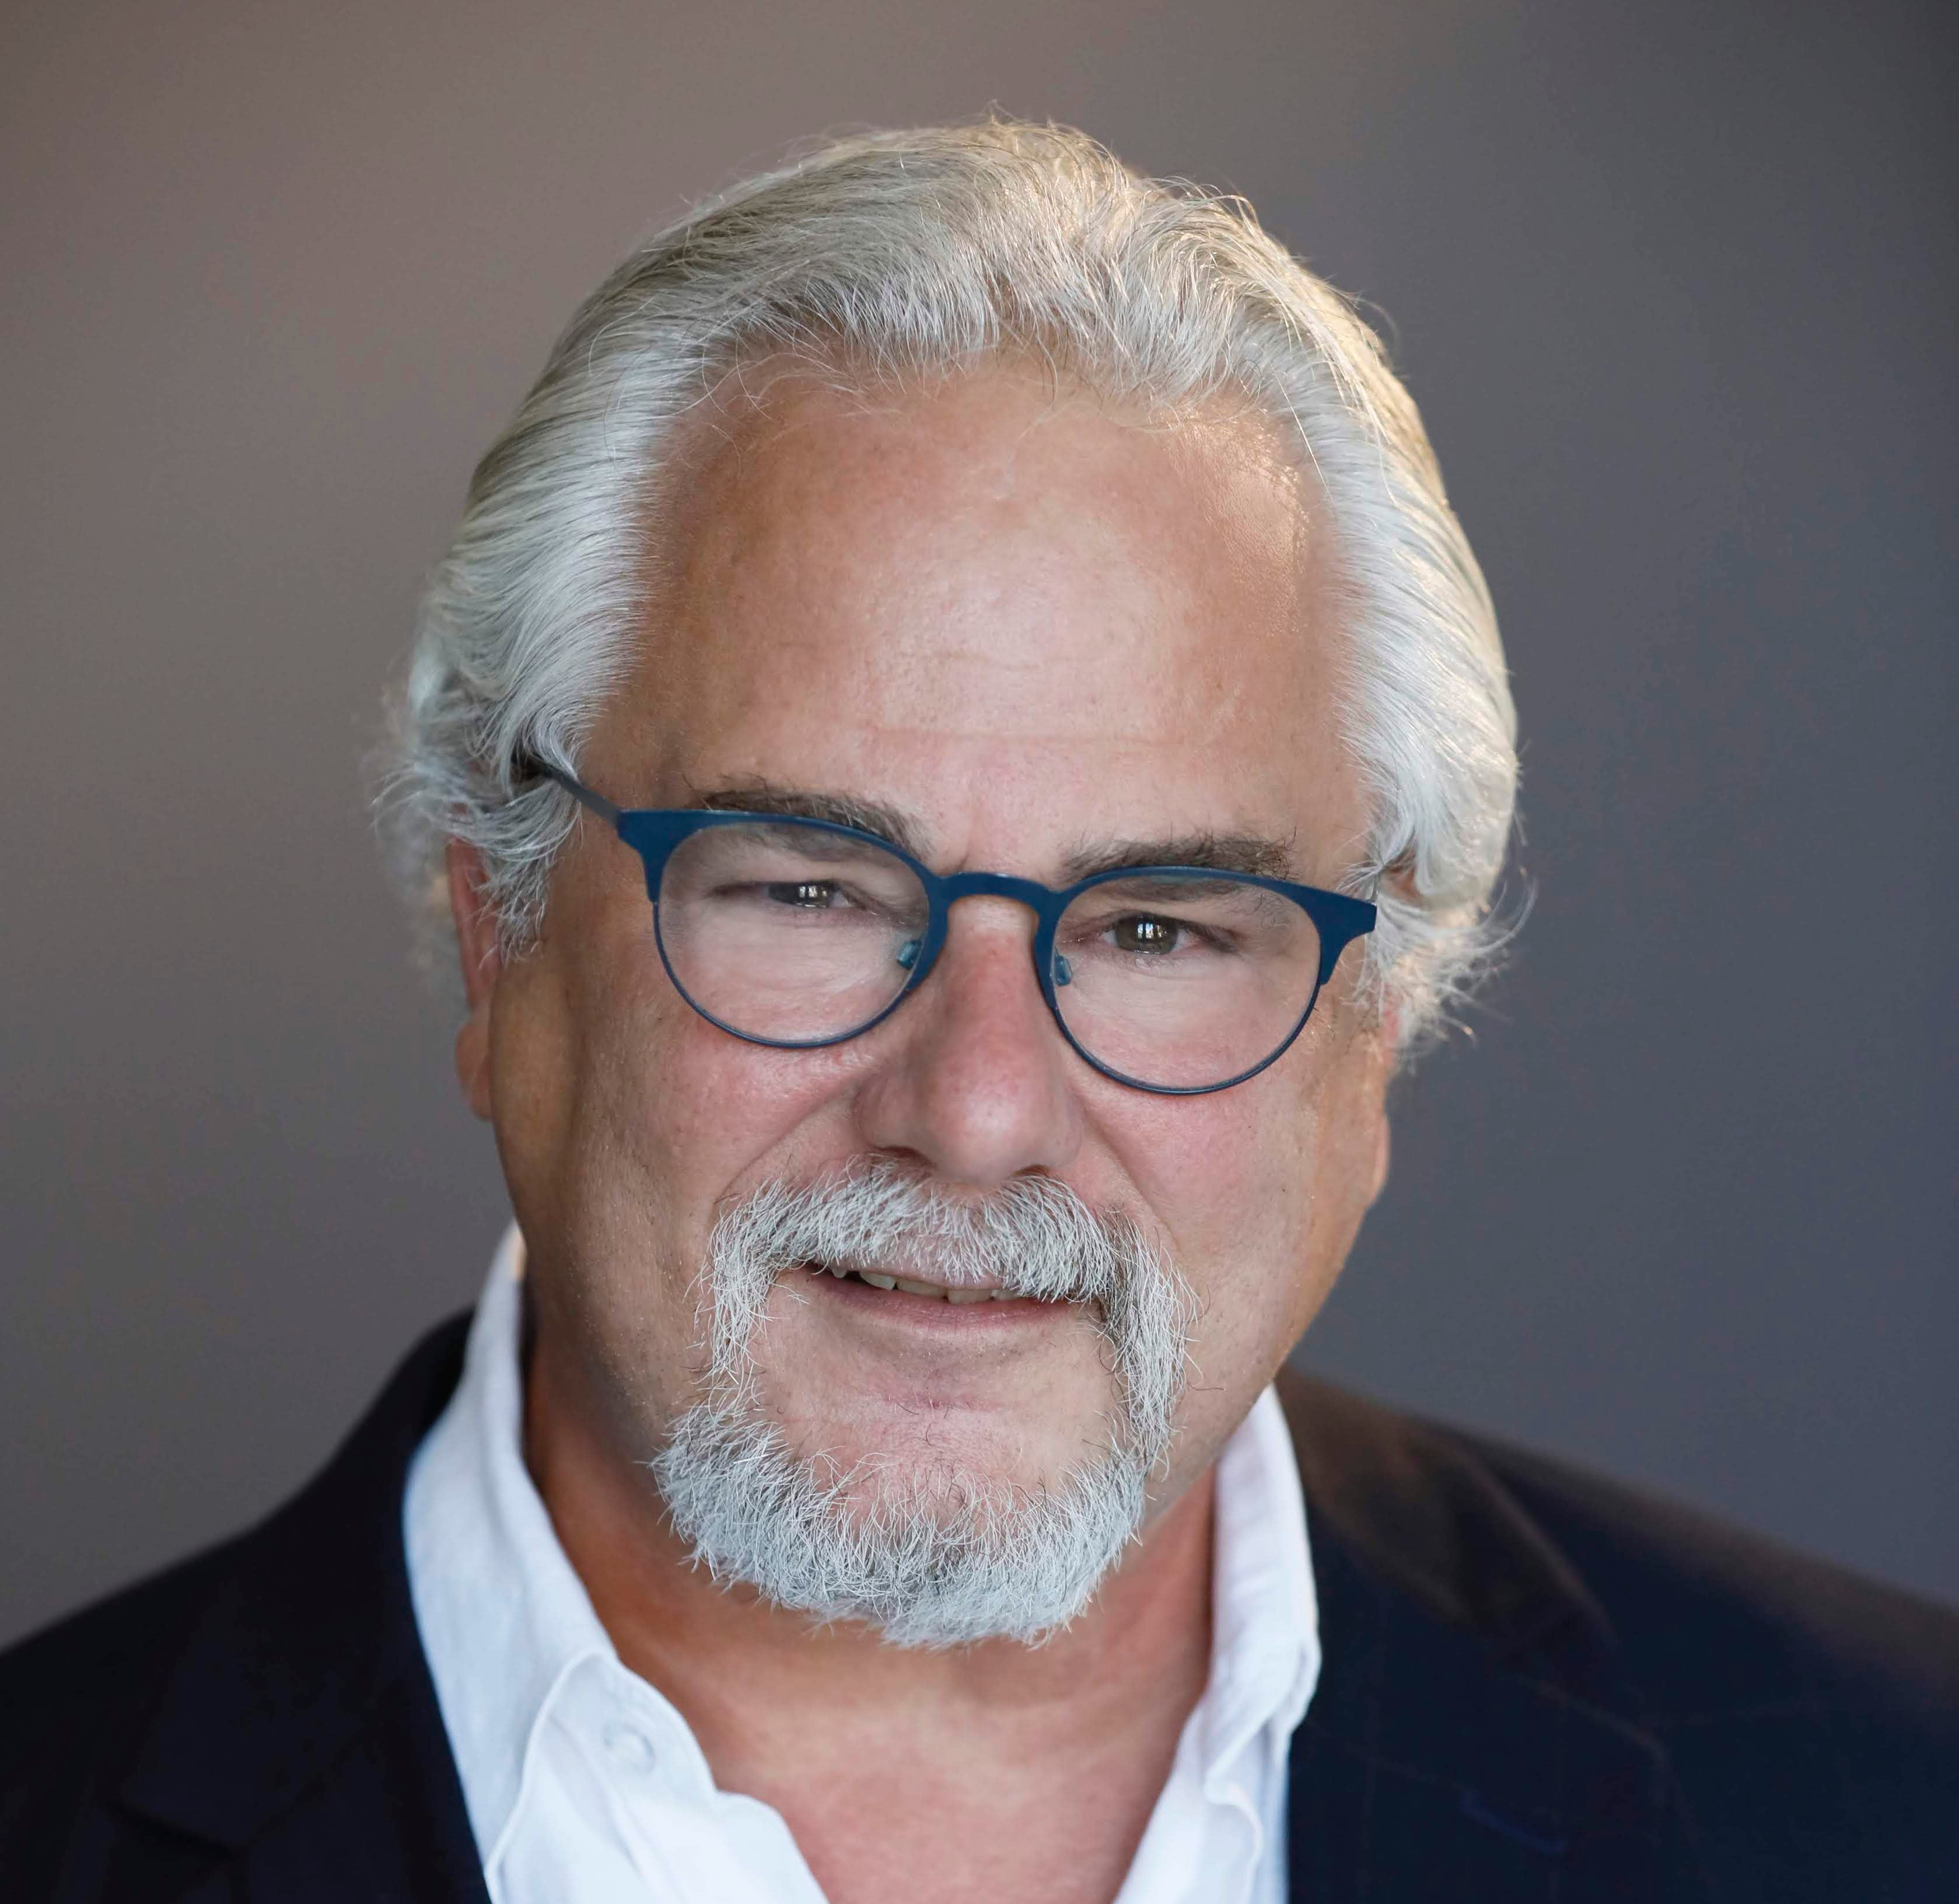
{"x":298,"y":1737}
{"x":1470,"y":1736}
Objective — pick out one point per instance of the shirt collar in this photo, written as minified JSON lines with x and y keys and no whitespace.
{"x":1264,"y":1647}
{"x":491,"y":1582}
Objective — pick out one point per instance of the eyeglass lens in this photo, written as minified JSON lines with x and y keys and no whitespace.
{"x":798,"y":935}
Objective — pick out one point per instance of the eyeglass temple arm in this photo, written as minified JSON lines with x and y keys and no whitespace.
{"x":583,"y":794}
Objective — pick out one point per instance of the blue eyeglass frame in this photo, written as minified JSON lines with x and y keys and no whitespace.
{"x":655,"y":832}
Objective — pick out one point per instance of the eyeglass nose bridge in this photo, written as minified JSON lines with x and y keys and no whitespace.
{"x":945,"y":890}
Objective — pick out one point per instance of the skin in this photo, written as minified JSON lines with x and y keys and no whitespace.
{"x":1029,"y":626}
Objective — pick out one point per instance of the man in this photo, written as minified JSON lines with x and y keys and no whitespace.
{"x":961,"y":744}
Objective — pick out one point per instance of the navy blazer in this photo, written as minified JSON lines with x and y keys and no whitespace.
{"x":1537,"y":1686}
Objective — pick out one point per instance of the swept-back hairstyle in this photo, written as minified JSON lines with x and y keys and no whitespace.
{"x":914,"y":254}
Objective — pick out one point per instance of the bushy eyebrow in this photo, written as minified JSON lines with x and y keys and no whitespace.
{"x":1262,"y":858}
{"x":839,"y":810}
{"x":1215,"y":852}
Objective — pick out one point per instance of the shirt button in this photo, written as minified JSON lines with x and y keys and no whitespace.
{"x":631,"y":1750}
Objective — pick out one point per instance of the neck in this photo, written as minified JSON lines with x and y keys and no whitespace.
{"x":862,"y":1745}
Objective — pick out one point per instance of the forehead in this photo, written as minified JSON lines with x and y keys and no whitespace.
{"x":1012,"y":611}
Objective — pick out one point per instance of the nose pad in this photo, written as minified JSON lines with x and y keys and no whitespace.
{"x":1063,"y":972}
{"x":907,"y":953}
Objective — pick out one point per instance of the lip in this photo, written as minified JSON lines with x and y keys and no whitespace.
{"x":900,"y":1309}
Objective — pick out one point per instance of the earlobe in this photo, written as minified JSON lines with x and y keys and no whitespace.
{"x":481,"y":960}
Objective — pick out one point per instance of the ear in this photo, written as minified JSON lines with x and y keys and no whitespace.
{"x":482,"y":960}
{"x":1382,"y":1145}
{"x":1388,"y":1035}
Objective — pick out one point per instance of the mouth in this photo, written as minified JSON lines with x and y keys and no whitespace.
{"x":879,"y":1285}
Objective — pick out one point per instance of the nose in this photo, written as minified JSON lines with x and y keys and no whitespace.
{"x":976,"y":1081}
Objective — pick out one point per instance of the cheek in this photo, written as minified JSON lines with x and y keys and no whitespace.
{"x":625,"y":1120}
{"x":1231,"y":1179}
{"x":1261,"y":1189}
{"x":1263,"y":1282}
{"x":667,"y":1115}
{"x":1228,"y":1176}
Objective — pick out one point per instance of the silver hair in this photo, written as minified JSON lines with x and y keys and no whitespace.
{"x":911,"y":255}
{"x":930,"y":1558}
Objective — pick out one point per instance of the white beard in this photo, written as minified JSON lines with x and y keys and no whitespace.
{"x":934,"y":1557}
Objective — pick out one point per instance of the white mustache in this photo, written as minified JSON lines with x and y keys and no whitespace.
{"x":1033,"y":1237}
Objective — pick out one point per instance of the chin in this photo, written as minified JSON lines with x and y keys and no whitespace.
{"x":929,"y":1543}
{"x":940,"y":1481}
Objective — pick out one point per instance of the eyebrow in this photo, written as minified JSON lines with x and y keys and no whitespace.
{"x":1215,"y":852}
{"x":1246,"y":853}
{"x":840,"y":810}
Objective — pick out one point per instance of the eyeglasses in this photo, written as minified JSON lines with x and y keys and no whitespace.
{"x":801,"y":933}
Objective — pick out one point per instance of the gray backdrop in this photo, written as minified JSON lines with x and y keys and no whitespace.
{"x":1673,"y":283}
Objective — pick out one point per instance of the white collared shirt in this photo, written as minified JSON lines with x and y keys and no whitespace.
{"x":585,"y":1786}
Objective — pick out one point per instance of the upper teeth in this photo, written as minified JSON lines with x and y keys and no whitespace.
{"x":912,"y":1288}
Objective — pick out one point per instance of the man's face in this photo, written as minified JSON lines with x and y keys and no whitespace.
{"x":1030,"y":627}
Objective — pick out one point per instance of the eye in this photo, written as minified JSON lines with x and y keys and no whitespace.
{"x":1144,"y":932}
{"x":811,"y":895}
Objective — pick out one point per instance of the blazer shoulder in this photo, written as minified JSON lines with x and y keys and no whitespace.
{"x":74,"y":1673}
{"x":1782,"y":1728}
{"x":74,"y":1700}
{"x":1714,"y":1620}
{"x":190,"y":1696}
{"x":1705,"y":1618}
